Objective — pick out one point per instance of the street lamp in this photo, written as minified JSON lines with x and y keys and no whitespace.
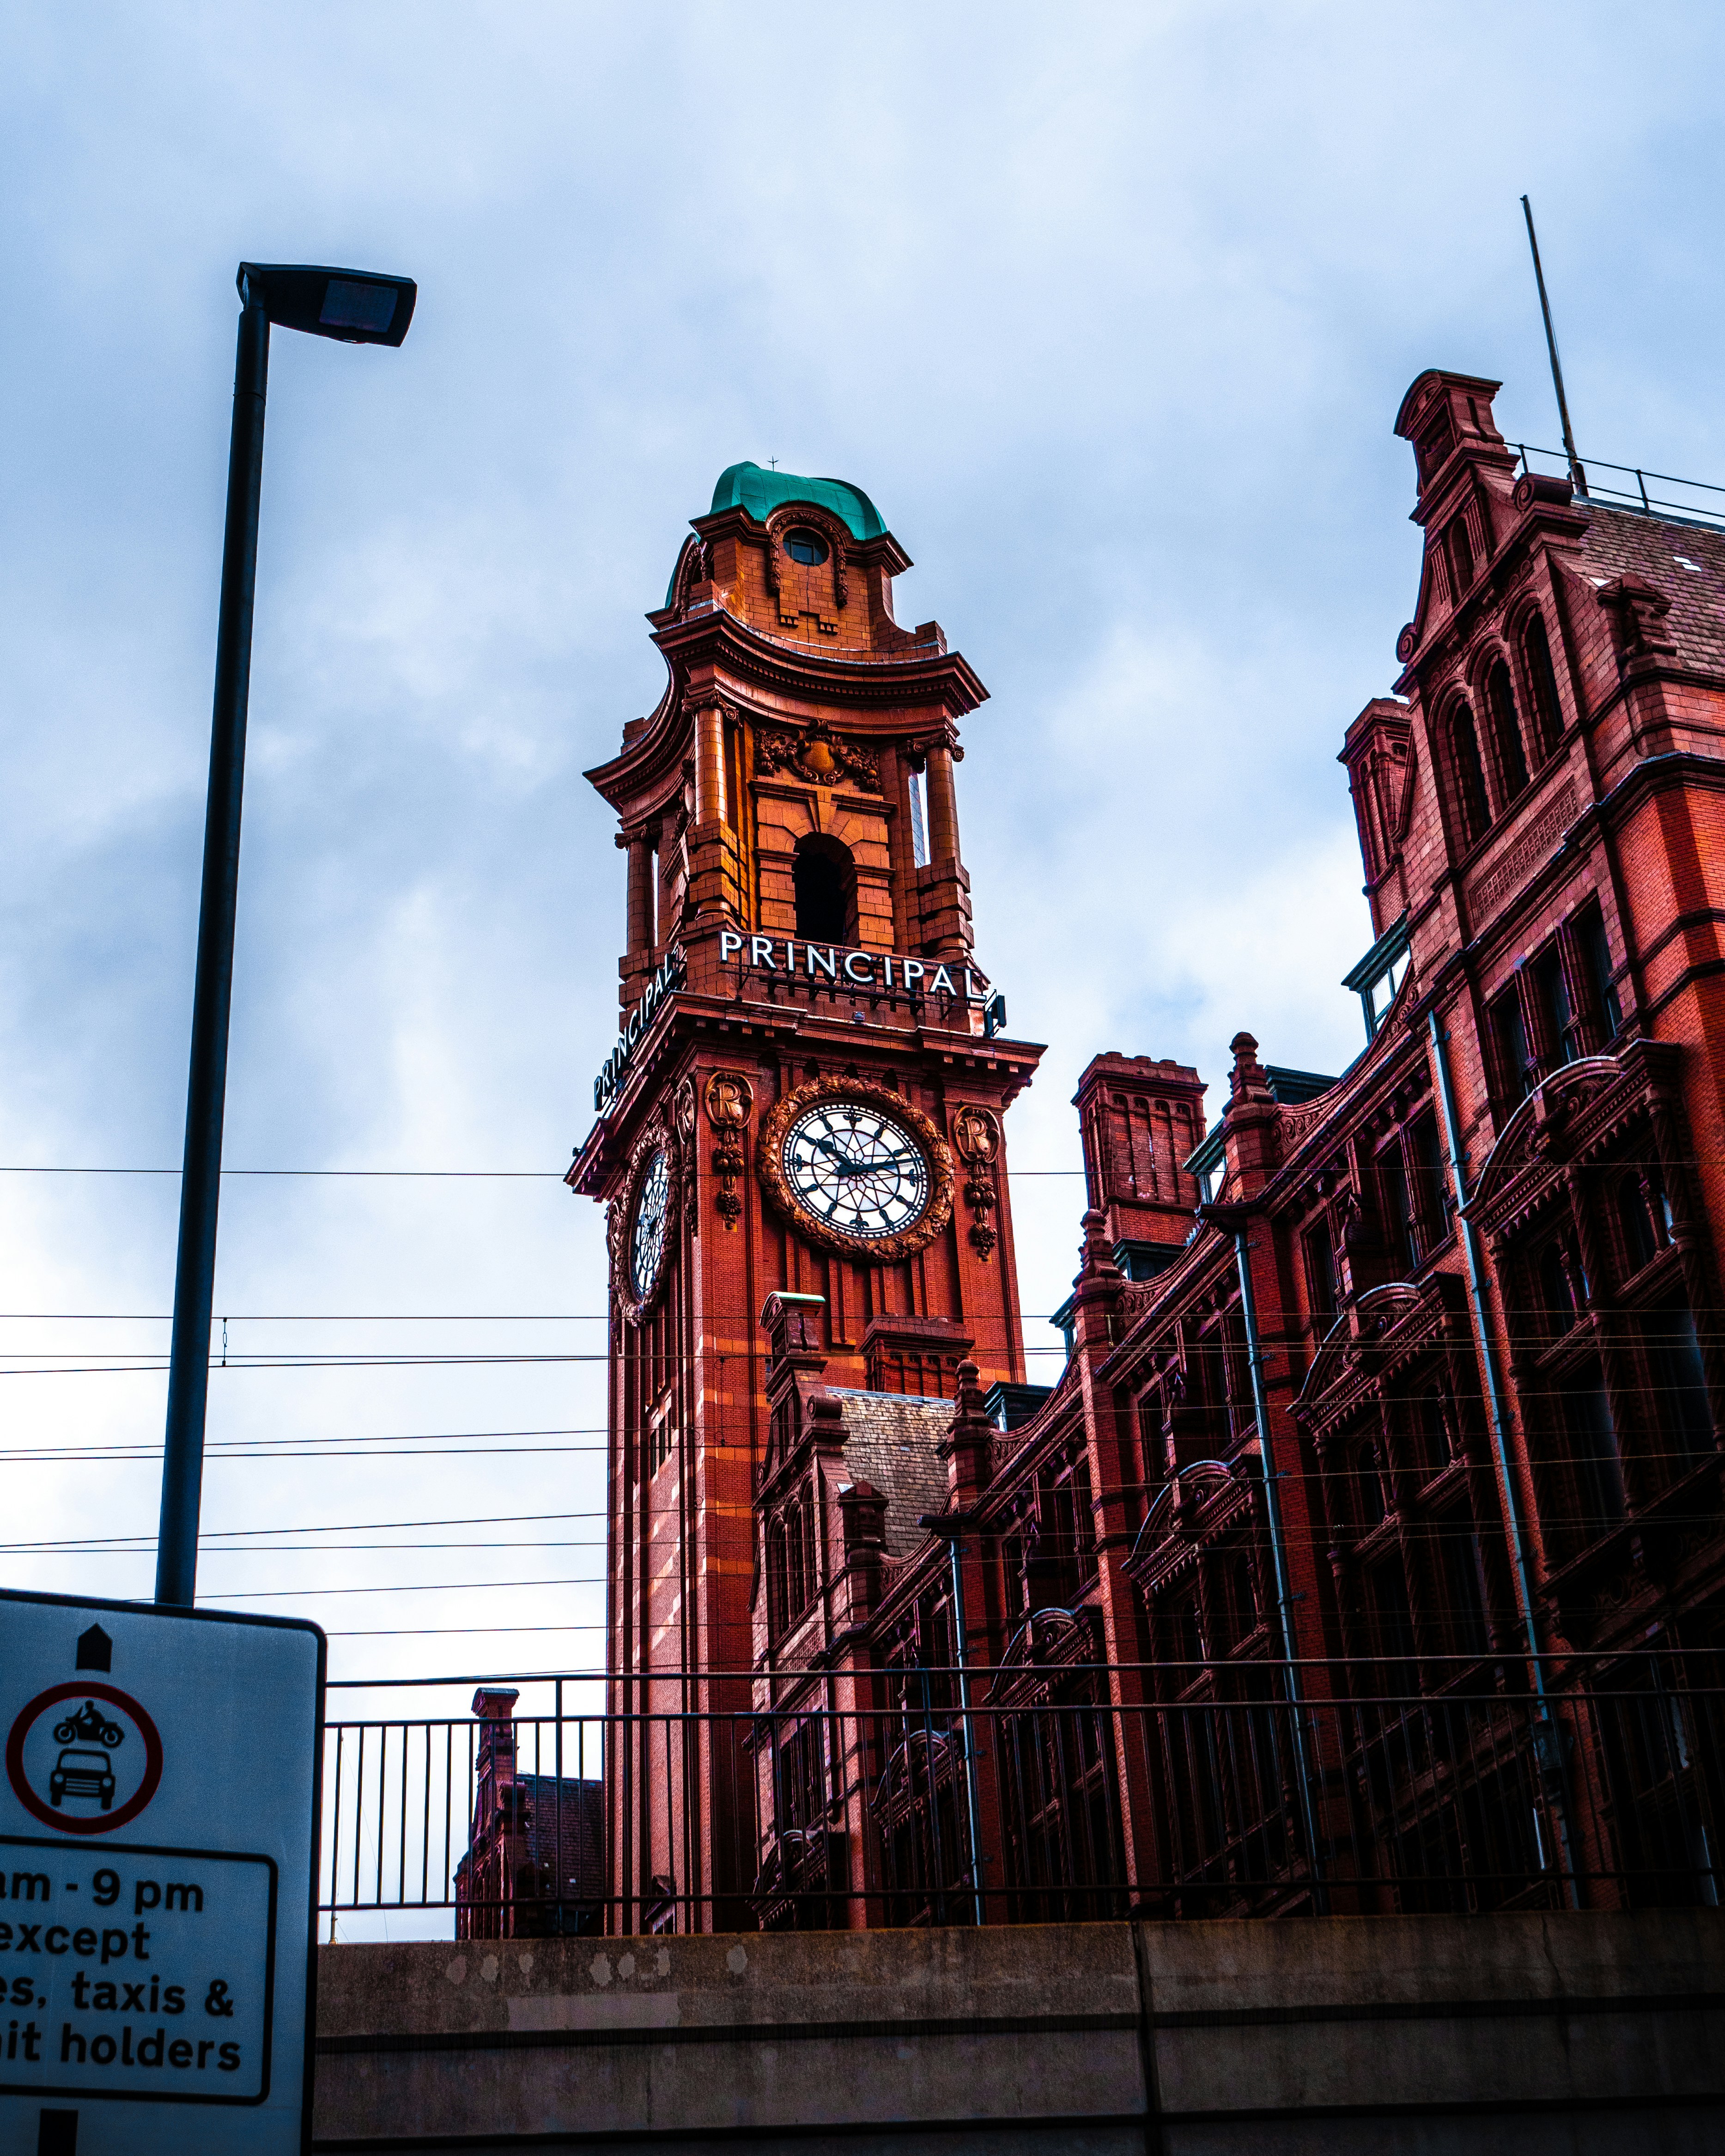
{"x":354,"y":306}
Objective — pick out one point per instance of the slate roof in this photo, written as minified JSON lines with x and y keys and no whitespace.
{"x":1620,"y":543}
{"x":889,"y":1440}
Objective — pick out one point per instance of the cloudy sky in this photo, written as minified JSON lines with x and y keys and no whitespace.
{"x":1109,"y":308}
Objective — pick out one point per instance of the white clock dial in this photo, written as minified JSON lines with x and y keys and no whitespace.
{"x":856,"y":1170}
{"x":646,"y":1253}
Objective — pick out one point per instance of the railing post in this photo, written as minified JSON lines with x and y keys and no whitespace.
{"x":962,"y":1657}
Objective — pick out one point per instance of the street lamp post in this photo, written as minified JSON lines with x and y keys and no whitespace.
{"x":354,"y":306}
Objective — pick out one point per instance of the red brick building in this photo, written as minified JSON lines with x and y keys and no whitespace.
{"x":1369,"y":1550}
{"x":534,"y":1866}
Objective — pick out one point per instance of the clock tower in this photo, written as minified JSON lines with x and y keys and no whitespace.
{"x":804,"y":1103}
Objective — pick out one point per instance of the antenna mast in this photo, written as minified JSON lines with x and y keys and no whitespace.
{"x":1577,"y":474}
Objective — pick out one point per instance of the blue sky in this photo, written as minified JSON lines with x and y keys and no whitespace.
{"x":1109,"y":309}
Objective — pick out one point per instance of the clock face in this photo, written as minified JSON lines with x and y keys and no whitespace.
{"x":858,"y":1170}
{"x":646,"y":1250}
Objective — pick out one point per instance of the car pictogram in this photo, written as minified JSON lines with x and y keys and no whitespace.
{"x":82,"y":1774}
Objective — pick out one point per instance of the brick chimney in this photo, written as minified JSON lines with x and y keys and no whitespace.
{"x":1140,"y":1120}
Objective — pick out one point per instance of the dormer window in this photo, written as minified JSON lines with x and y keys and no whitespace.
{"x":1379,"y":976}
{"x":806,"y":547}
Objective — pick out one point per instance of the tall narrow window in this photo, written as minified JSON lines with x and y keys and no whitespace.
{"x":1399,"y":1228}
{"x":733,"y":792}
{"x":1556,"y":1291}
{"x":1470,"y":773}
{"x":1591,"y":940}
{"x":1543,"y":683}
{"x":1507,"y":732}
{"x":1429,"y":1433}
{"x":1680,"y":1382}
{"x":1321,"y":1274}
{"x":1598,"y":1464}
{"x":1460,"y":555}
{"x":824,"y":878}
{"x":1425,"y":1162}
{"x":919,"y":821}
{"x":1511,"y":1037}
{"x":1393,"y":1623}
{"x":1551,"y":991}
{"x":1466,"y":1577}
{"x":1642,"y":1241}
{"x":1367,"y":1488}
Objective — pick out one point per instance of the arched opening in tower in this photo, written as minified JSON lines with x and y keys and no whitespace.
{"x":825,"y":879}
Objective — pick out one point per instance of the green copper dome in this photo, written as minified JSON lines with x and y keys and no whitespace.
{"x":747,"y":486}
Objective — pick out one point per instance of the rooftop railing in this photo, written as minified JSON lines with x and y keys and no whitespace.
{"x":1687,"y":507}
{"x":1228,"y":1792}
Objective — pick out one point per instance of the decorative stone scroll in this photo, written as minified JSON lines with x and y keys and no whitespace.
{"x":683,"y":1113}
{"x":729,"y":1099}
{"x":976,"y":1140}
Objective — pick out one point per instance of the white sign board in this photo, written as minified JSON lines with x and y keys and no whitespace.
{"x":158,"y":1826}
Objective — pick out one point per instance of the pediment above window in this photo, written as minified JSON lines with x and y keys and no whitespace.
{"x":1387,"y":1327}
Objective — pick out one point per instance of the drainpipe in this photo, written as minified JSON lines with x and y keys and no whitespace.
{"x":1550,"y":1751}
{"x":1278,"y":1552}
{"x":952,"y":1526}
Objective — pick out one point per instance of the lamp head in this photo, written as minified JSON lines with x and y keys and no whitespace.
{"x":354,"y":306}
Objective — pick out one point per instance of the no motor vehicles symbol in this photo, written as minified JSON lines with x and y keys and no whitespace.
{"x":83,"y":1771}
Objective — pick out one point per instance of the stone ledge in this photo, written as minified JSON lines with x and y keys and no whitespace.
{"x":1256,"y":2027}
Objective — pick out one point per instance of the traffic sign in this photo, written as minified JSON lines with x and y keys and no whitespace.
{"x":158,"y":1869}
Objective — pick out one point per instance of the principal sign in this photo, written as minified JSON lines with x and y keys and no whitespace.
{"x":790,"y":958}
{"x":158,"y":1832}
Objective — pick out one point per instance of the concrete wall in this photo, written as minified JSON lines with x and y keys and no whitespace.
{"x":1531,"y":2033}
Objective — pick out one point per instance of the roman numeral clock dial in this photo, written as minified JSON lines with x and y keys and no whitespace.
{"x":855,"y":1168}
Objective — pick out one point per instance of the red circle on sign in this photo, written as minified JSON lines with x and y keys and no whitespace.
{"x":26,"y":1720}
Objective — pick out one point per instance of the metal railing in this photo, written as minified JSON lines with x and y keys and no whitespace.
{"x":1472,"y":1797}
{"x":1685,"y":508}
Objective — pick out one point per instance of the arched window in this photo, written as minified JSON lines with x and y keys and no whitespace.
{"x":1543,"y":683}
{"x":1468,"y":771}
{"x":825,"y":879}
{"x":1507,"y":732}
